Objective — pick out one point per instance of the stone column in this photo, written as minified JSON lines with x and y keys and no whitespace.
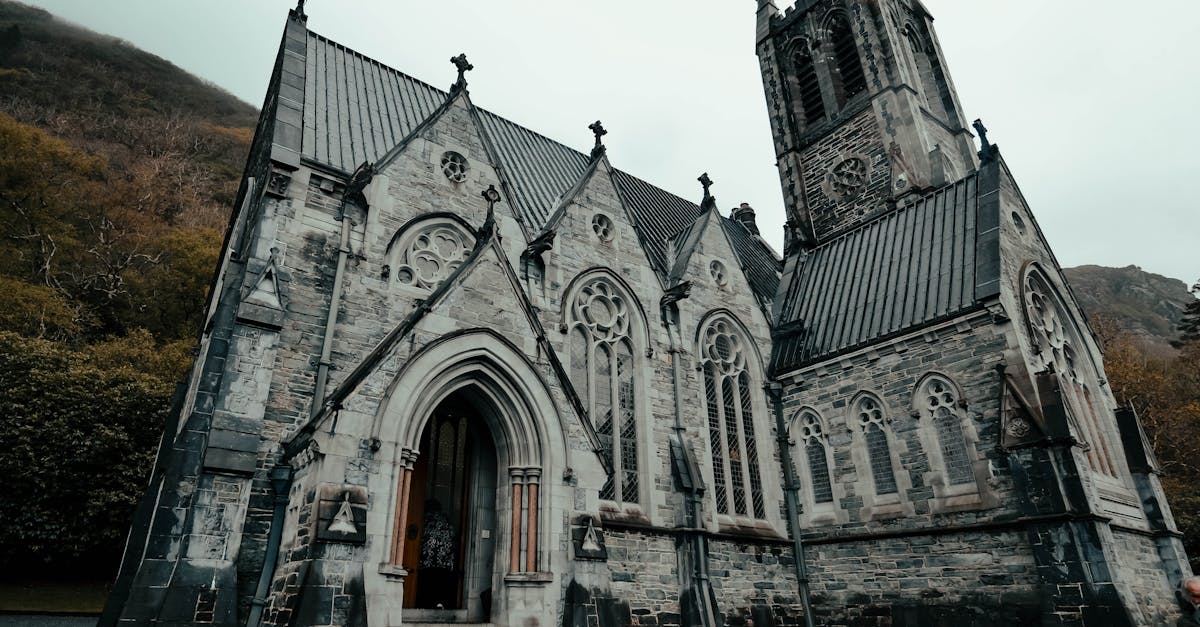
{"x":517,"y":477}
{"x":408,"y":458}
{"x":532,"y":476}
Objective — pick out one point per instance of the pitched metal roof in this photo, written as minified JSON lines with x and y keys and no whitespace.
{"x":357,"y":109}
{"x":912,"y":266}
{"x":758,"y":261}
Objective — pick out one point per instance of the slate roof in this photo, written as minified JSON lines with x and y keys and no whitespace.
{"x":356,"y":109}
{"x":910,"y":267}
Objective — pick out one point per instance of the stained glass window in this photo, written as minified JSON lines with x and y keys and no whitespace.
{"x":737,"y":482}
{"x":602,"y":370}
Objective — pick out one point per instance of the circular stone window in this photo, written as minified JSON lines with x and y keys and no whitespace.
{"x":602,"y":227}
{"x":718,"y":272}
{"x":454,"y":166}
{"x":847,"y":178}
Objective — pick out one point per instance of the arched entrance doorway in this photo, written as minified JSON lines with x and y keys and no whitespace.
{"x":451,"y":530}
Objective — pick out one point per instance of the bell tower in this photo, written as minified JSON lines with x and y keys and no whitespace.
{"x":862,"y":110}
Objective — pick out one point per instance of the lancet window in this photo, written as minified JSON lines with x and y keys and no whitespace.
{"x":937,"y":402}
{"x":737,"y":483}
{"x":428,"y":252}
{"x":603,"y":370}
{"x":810,"y":436}
{"x":869,"y":418}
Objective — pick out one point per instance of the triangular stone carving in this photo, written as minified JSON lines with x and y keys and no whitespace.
{"x":266,"y":291}
{"x":343,"y":521}
{"x":591,"y":542}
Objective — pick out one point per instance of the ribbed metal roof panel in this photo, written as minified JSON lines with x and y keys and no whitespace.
{"x":907,"y":268}
{"x":357,"y":109}
{"x":759,"y":262}
{"x":658,"y":214}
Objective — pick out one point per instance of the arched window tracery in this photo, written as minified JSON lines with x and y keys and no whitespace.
{"x":810,"y":435}
{"x":869,"y":418}
{"x":737,"y":482}
{"x":938,"y":403}
{"x":1058,"y":343}
{"x":603,"y":370}
{"x":428,"y":252}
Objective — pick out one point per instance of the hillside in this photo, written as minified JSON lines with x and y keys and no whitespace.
{"x":117,"y":174}
{"x":1149,"y":306}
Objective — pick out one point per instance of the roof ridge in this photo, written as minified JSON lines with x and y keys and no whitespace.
{"x":482,"y":110}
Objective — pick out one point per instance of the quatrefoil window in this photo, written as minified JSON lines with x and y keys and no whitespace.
{"x":454,"y":166}
{"x":847,"y":178}
{"x":718,"y":272}
{"x":602,"y":226}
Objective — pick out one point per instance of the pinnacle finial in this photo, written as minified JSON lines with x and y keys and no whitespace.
{"x":300,"y":8}
{"x":986,"y":149}
{"x":460,"y":62}
{"x":598,"y":130}
{"x":706,"y":183}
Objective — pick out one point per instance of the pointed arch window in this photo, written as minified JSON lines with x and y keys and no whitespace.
{"x":737,"y":482}
{"x":849,"y":71}
{"x":1058,"y":343}
{"x":938,"y":403}
{"x":603,"y":371}
{"x":811,"y":438}
{"x":427,"y":252}
{"x":868,"y":415}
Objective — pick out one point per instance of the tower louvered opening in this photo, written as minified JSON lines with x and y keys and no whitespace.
{"x":845,"y":56}
{"x":809,"y":88}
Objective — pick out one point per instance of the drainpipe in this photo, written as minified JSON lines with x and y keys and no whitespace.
{"x":670,"y":312}
{"x":354,"y":192}
{"x":791,"y":497}
{"x":281,"y":481}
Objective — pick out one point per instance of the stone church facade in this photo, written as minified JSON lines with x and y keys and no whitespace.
{"x":456,"y":372}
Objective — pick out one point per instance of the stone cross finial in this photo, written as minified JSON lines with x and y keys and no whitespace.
{"x":598,"y":130}
{"x":706,"y":183}
{"x":491,"y":195}
{"x":463,"y":66}
{"x":985,"y":147}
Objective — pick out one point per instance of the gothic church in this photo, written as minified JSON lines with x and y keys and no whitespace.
{"x":456,"y":372}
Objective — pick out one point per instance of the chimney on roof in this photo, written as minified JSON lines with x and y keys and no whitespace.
{"x":744,"y":213}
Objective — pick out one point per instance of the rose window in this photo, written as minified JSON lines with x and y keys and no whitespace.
{"x":454,"y":166}
{"x":848,"y":177}
{"x":723,"y":347}
{"x":602,"y":310}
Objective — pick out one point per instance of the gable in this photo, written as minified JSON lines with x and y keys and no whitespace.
{"x":357,"y":109}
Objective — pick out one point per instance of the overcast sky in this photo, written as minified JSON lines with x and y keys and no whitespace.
{"x":1093,"y":103}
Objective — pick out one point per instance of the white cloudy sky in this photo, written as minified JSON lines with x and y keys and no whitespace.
{"x":1092,"y":101}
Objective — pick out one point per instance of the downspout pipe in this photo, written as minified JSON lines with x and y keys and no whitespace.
{"x":353,"y":193}
{"x":670,"y":314}
{"x":281,"y":482}
{"x":791,"y":497}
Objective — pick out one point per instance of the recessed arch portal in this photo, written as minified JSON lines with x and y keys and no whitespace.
{"x":501,"y":398}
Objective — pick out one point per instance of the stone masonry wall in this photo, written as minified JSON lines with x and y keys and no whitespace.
{"x":857,"y":137}
{"x":755,"y":583}
{"x":1142,"y":570}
